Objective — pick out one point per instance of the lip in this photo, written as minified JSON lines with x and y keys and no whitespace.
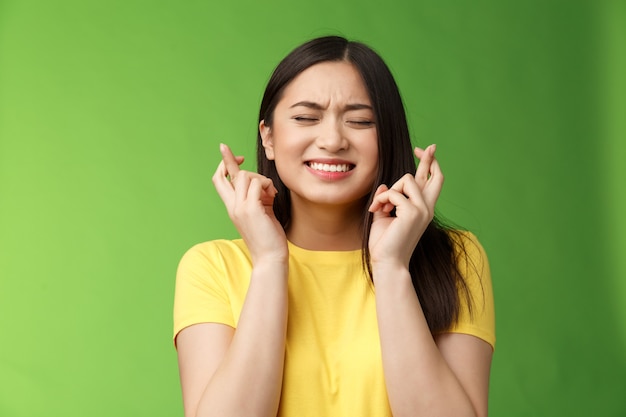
{"x":330,"y":175}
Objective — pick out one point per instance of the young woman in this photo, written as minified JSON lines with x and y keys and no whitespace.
{"x":344,"y":295}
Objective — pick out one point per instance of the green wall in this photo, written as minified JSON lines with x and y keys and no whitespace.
{"x":110,"y":117}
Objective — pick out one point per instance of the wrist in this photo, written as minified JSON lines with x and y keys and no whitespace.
{"x":275,"y":264}
{"x":390,"y":271}
{"x":273,"y":258}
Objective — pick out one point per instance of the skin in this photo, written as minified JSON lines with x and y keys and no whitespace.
{"x":425,"y":375}
{"x":325,"y":115}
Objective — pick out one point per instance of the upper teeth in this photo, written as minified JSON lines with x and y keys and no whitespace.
{"x":329,"y":167}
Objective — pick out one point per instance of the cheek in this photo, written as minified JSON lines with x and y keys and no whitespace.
{"x":371,"y":149}
{"x":286,"y":159}
{"x":282,"y":167}
{"x":289,"y":145}
{"x":373,"y":152}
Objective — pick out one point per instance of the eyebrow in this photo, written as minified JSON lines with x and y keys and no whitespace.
{"x":317,"y":106}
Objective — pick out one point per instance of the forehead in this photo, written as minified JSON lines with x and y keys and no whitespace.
{"x":327,"y":82}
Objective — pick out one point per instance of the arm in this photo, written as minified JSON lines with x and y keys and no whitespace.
{"x":446,"y":375}
{"x":226,"y":371}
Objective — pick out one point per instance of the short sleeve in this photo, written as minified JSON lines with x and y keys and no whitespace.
{"x":201,"y":294}
{"x":473,"y":264}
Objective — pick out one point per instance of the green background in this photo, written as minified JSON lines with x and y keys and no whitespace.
{"x":110,"y":117}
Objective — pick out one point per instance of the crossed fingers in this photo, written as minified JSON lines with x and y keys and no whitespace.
{"x":234,"y":184}
{"x":422,"y":188}
{"x":428,"y":177}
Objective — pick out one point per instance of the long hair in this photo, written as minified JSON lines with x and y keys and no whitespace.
{"x":433,"y":265}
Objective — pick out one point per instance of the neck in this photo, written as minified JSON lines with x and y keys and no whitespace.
{"x":325,"y":228}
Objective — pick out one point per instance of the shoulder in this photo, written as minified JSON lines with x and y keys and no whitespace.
{"x":469,"y":254}
{"x":211,"y":278}
{"x":464,"y":239}
{"x":477,"y":315}
{"x":213,"y":260}
{"x":214,"y":251}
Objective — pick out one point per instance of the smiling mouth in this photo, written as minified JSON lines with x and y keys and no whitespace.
{"x":317,"y":166}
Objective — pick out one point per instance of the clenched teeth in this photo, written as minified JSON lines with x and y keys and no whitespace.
{"x":330,"y":167}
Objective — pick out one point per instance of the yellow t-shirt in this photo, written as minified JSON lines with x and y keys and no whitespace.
{"x":333,"y":364}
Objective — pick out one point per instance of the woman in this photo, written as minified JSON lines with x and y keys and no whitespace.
{"x":344,"y":297}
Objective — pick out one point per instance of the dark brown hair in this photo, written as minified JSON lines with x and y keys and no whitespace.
{"x":433,"y":265}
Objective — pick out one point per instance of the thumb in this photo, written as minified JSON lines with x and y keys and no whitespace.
{"x":380,"y":203}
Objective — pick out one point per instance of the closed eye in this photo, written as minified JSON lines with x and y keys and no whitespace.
{"x":361,"y":123}
{"x":305,"y":119}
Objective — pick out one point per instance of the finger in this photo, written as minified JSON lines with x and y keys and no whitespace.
{"x":388,"y":200}
{"x":268,"y":192}
{"x":388,"y":197}
{"x":221,"y":170}
{"x":426,"y":157}
{"x":265,"y":184}
{"x":401,"y":183}
{"x":432,"y":190}
{"x":255,"y":190}
{"x":376,"y":204}
{"x":231,"y":162}
{"x":222,"y":185}
{"x":409,"y":188}
{"x":382,"y":212}
{"x":419,"y":152}
{"x":259,"y":190}
{"x":241,"y":184}
{"x":426,"y":195}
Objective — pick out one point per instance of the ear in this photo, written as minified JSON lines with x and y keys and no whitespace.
{"x":266,"y":140}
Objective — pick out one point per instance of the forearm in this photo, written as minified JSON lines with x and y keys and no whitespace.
{"x":418,"y":379}
{"x":249,"y":378}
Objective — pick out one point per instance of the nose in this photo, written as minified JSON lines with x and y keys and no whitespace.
{"x":331,"y":136}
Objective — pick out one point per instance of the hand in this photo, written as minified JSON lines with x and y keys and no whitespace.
{"x":393,"y":239}
{"x":249,"y":199}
